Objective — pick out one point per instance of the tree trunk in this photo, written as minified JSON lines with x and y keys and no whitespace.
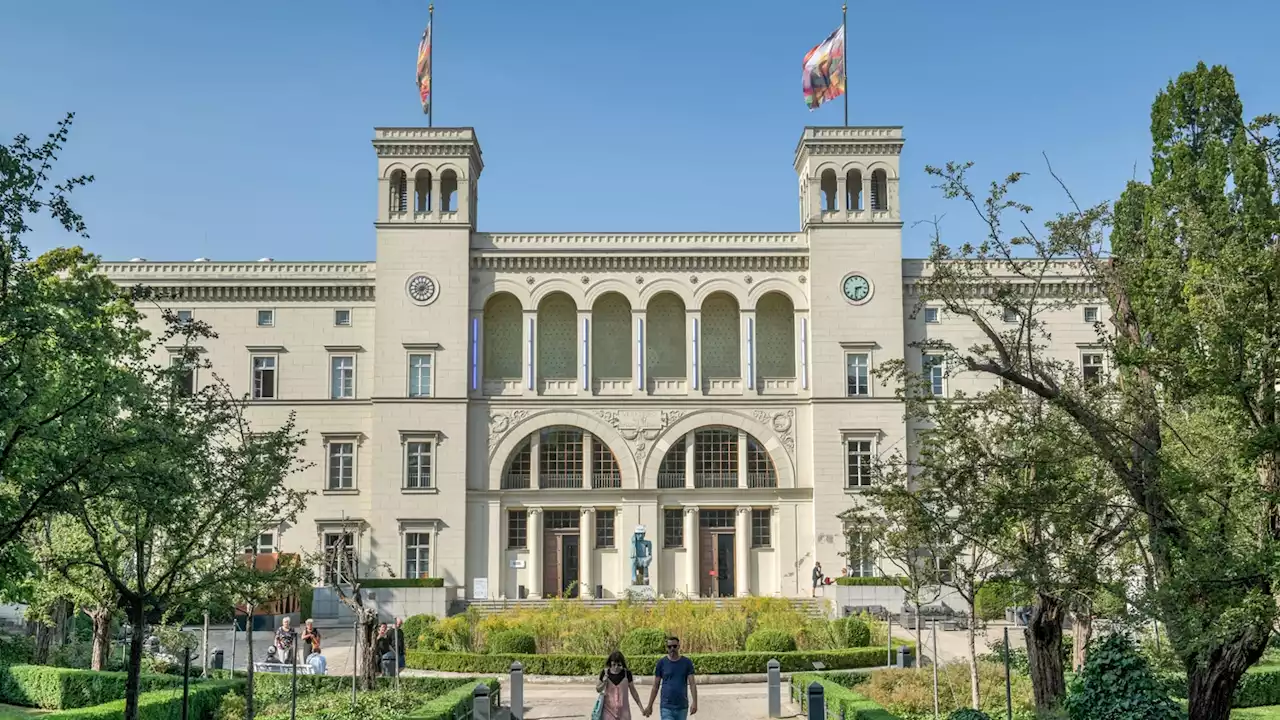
{"x":1212,"y":681}
{"x":975,"y":695}
{"x":369,"y":661}
{"x":1083,"y":624}
{"x":101,"y":638}
{"x":138,"y":618}
{"x":204,"y":648}
{"x":248,"y":686}
{"x":1044,"y":651}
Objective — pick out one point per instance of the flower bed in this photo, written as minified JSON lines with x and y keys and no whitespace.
{"x":728,"y":663}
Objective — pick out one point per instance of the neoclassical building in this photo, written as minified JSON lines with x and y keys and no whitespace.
{"x":502,"y":410}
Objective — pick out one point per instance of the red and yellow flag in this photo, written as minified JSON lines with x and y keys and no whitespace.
{"x":424,"y":69}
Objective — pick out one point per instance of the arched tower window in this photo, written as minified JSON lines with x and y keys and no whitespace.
{"x":879,"y":190}
{"x":422,"y":191}
{"x":449,"y":191}
{"x":828,"y":187}
{"x":721,"y":457}
{"x":561,"y":457}
{"x":399,"y":200}
{"x":853,"y":190}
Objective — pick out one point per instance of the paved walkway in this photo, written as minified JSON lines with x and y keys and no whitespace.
{"x":715,"y":702}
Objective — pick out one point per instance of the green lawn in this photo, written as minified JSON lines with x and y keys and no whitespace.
{"x":13,"y":712}
{"x":1267,"y":712}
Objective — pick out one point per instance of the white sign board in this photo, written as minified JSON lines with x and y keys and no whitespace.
{"x":517,"y":564}
{"x":480,"y":589}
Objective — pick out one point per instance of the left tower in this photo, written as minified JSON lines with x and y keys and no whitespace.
{"x":427,"y":181}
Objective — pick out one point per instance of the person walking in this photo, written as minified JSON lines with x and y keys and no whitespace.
{"x":674,"y":677}
{"x":614,"y":684}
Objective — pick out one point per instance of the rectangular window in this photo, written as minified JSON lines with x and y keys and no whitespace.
{"x":266,"y":318}
{"x":339,"y":558}
{"x":342,"y":318}
{"x":417,"y":472}
{"x":1009,"y":315}
{"x":1091,"y":367}
{"x":184,"y":316}
{"x":266,"y":544}
{"x":931,"y":315}
{"x":264,"y":377}
{"x":944,"y":570}
{"x":342,"y":466}
{"x":517,"y":529}
{"x":856,"y":367}
{"x":761,"y":528}
{"x":715,"y":458}
{"x":417,"y":555}
{"x":185,"y":375}
{"x":862,"y":561}
{"x":934,"y":367}
{"x":858,"y":465}
{"x":604,"y":528}
{"x":420,"y":375}
{"x":342,"y":377}
{"x":673,"y":528}
{"x":1091,"y":314}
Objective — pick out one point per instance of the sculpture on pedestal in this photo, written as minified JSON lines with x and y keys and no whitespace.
{"x":641,"y":556}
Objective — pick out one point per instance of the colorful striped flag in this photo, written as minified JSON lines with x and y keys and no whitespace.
{"x":824,"y":71}
{"x":424,"y":69}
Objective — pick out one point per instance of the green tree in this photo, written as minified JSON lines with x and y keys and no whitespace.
{"x":59,"y":547}
{"x":1189,"y":271}
{"x":171,"y":527}
{"x":67,"y":338}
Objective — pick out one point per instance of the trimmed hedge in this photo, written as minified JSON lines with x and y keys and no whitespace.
{"x":274,"y":687}
{"x":512,"y":642}
{"x":856,"y":633}
{"x":643,"y":641}
{"x":840,"y":701}
{"x":202,"y":701}
{"x":415,"y":626}
{"x":771,"y":641}
{"x":1258,"y":687}
{"x":872,"y":581}
{"x":55,"y":688}
{"x":704,"y":663}
{"x":457,"y":702}
{"x":371,"y":583}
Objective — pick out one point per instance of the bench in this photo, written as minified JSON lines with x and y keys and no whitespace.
{"x":282,"y":669}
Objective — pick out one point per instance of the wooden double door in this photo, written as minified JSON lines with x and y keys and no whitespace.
{"x":716,"y":570}
{"x":561,"y":555}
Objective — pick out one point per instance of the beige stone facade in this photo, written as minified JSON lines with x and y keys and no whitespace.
{"x":503,"y":410}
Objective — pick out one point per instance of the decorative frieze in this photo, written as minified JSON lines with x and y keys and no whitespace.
{"x":264,"y":293}
{"x":783,"y":424}
{"x":501,"y":422}
{"x":641,"y":263}
{"x":855,"y":149}
{"x":666,"y":241}
{"x":639,"y":428}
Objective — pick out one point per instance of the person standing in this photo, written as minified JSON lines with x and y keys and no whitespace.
{"x":286,"y":640}
{"x":674,"y":677}
{"x":398,"y":632}
{"x":817,"y":579}
{"x":310,"y":639}
{"x":614,"y":684}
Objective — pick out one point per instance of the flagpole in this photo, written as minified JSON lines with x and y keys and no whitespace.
{"x":430,"y":49}
{"x":844,"y":30}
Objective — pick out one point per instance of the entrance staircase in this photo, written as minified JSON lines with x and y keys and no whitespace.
{"x":813,"y":607}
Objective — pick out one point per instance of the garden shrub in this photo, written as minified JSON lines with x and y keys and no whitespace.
{"x":770,"y":641}
{"x":589,"y":665}
{"x":643,"y":641}
{"x":856,"y":633}
{"x":16,"y":650}
{"x":232,"y":707}
{"x":512,"y":642}
{"x":841,"y":702}
{"x":1258,"y":687}
{"x":203,"y":701}
{"x":909,"y":693}
{"x":55,"y":688}
{"x":995,"y":595}
{"x":968,"y":714}
{"x":456,"y":703}
{"x":414,"y":627}
{"x":1117,"y":684}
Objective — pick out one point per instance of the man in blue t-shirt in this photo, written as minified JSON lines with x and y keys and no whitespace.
{"x":674,"y":676}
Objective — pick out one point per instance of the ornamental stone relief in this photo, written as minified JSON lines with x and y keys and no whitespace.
{"x":501,"y":422}
{"x":783,"y":423}
{"x":639,"y":428}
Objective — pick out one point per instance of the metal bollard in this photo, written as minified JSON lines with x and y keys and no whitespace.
{"x":517,"y":691}
{"x":775,"y":688}
{"x":905,"y":657}
{"x":480,"y":702}
{"x":817,"y":702}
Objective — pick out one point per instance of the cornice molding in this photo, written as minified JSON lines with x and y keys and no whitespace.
{"x":854,"y":148}
{"x":266,"y":293}
{"x":693,"y":241}
{"x":131,"y":272}
{"x":640,"y":263}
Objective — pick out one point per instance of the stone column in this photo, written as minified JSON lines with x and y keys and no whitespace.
{"x":866,"y":191}
{"x":775,"y":536}
{"x":747,"y":348}
{"x":529,"y":352}
{"x":841,"y":204}
{"x":435,"y":196}
{"x":586,"y":369}
{"x":588,"y":451}
{"x":690,"y":459}
{"x":691,"y":548}
{"x":742,"y":458}
{"x":533,"y":531}
{"x":742,"y":551}
{"x":693,"y":363}
{"x":497,"y":552}
{"x":586,"y":550}
{"x":535,"y":454}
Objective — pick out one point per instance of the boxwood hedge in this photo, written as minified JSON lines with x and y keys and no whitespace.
{"x":202,"y":701}
{"x":705,"y":663}
{"x":457,"y":702}
{"x":55,"y":688}
{"x":840,"y":700}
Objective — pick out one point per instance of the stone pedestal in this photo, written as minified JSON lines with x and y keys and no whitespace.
{"x":642,"y":592}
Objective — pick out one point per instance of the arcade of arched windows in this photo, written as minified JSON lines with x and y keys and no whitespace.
{"x":561,"y":457}
{"x":853,"y":191}
{"x":611,"y":348}
{"x":717,"y":456}
{"x":422,"y":192}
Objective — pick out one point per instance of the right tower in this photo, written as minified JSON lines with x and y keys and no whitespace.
{"x":850,"y":213}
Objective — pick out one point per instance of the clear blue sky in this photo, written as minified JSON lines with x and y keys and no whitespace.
{"x":238,"y":129}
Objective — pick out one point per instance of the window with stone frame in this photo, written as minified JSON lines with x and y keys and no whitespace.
{"x":264,"y":377}
{"x":861,"y":557}
{"x":1091,"y":367}
{"x":341,"y":465}
{"x":517,"y":529}
{"x":265,"y":544}
{"x":560,"y":458}
{"x":858,"y":463}
{"x":342,"y":377}
{"x":562,"y":519}
{"x":671,"y":470}
{"x":1091,"y":314}
{"x":672,"y":528}
{"x":417,"y":555}
{"x":339,"y":558}
{"x":857,"y":374}
{"x":760,"y":470}
{"x":519,"y":467}
{"x":932,"y":315}
{"x":418,"y":464}
{"x":420,"y":365}
{"x":935,"y":371}
{"x":761,"y":527}
{"x":604,"y":466}
{"x":185,"y":370}
{"x":719,"y":518}
{"x":605,"y":538}
{"x":715,"y":457}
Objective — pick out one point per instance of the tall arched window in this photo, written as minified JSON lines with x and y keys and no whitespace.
{"x":720,"y":456}
{"x":422,"y":191}
{"x":853,"y":190}
{"x":399,"y":199}
{"x":561,"y":457}
{"x":448,"y":191}
{"x":879,"y":190}
{"x":828,"y":187}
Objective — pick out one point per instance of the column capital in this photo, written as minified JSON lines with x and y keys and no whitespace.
{"x":775,"y":510}
{"x":588,"y":511}
{"x":744,"y":509}
{"x":690,"y":509}
{"x":533,"y":510}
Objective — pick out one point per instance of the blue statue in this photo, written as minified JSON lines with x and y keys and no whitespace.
{"x":641,"y":556}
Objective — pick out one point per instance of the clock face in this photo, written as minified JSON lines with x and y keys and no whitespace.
{"x":856,"y":288}
{"x":421,"y":289}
